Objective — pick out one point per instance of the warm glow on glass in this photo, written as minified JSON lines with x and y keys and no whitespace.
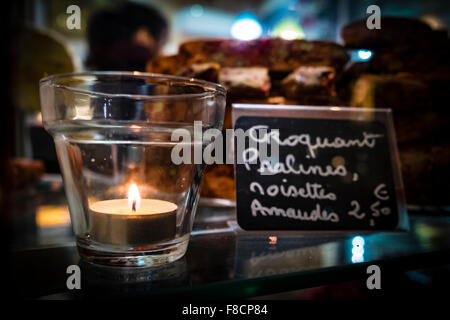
{"x":134,"y":198}
{"x":52,"y":216}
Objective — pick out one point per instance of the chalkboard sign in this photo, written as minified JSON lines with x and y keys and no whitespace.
{"x":316,"y":168}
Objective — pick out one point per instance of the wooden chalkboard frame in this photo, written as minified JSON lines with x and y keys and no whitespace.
{"x":344,"y":113}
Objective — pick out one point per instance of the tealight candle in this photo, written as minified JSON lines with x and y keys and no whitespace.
{"x":100,"y":140}
{"x":133,"y":221}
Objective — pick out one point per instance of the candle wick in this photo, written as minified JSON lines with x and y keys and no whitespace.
{"x":133,"y":206}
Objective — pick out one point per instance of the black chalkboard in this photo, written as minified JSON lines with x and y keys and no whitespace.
{"x":341,"y":179}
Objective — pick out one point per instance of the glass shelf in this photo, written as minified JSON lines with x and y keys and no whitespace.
{"x":222,"y":260}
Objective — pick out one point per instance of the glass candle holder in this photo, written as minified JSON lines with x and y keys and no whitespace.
{"x":130,"y":203}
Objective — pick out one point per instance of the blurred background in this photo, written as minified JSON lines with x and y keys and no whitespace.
{"x":43,"y":43}
{"x":311,"y":19}
{"x":49,"y":37}
{"x":406,"y":67}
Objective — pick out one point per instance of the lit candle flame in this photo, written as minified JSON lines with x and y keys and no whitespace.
{"x":134,"y":198}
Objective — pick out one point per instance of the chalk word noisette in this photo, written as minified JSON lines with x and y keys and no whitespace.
{"x":309,"y":191}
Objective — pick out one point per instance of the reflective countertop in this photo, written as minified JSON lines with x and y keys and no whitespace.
{"x":222,"y":260}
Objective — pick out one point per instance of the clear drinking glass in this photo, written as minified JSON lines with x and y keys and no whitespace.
{"x":130,"y":204}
